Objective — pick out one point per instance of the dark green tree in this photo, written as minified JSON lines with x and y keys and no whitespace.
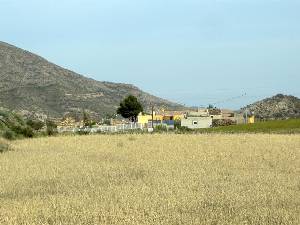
{"x":130,"y":108}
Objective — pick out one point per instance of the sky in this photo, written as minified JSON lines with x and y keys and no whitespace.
{"x":229,"y":53}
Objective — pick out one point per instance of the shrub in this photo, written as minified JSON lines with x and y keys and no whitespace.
{"x":4,"y":146}
{"x":24,"y":131}
{"x":27,"y":132}
{"x":51,"y":128}
{"x":160,"y":128}
{"x":8,"y":134}
{"x":183,"y":130}
{"x":51,"y":123}
{"x":18,"y":119}
{"x":83,"y":132}
{"x":177,"y":124}
{"x":35,"y":124}
{"x":50,"y":131}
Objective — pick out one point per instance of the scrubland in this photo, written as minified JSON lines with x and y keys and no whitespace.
{"x":152,"y":179}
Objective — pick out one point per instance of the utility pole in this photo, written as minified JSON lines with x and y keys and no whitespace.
{"x":152,"y":108}
{"x":246,"y":116}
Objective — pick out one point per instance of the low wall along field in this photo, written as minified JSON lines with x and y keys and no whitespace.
{"x":152,"y":179}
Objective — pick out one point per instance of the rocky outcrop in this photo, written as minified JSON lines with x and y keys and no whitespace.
{"x":277,"y":107}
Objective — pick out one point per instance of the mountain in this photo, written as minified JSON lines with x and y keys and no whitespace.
{"x":277,"y":107}
{"x":29,"y":82}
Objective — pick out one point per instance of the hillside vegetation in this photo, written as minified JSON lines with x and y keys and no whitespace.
{"x":152,"y":179}
{"x":15,"y":126}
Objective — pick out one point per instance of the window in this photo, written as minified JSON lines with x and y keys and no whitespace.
{"x":195,"y":122}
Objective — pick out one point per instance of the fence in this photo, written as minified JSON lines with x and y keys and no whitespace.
{"x":108,"y":129}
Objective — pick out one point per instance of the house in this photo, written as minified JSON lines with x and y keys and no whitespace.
{"x":196,"y":120}
{"x":193,"y":122}
{"x":199,"y":113}
{"x":144,"y":119}
{"x":173,"y":115}
{"x":166,"y":118}
{"x":228,"y":114}
{"x":215,"y":113}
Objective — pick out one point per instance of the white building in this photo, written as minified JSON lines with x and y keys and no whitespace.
{"x":197,"y":122}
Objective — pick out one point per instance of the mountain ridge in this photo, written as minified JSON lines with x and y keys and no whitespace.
{"x":30,"y":82}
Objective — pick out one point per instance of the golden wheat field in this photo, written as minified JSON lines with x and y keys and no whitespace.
{"x":152,"y":179}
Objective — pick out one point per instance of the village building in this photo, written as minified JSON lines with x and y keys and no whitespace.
{"x":197,"y":120}
{"x":202,"y":118}
{"x":165,"y":118}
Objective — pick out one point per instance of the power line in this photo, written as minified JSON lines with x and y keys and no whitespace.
{"x":230,"y":99}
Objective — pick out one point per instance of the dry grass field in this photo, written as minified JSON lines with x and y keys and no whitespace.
{"x":152,"y":179}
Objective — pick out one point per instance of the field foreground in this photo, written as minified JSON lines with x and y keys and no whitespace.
{"x":152,"y":179}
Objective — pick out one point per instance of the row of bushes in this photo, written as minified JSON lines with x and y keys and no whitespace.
{"x":14,"y":126}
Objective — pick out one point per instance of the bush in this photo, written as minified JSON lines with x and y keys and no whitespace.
{"x":183,"y":130}
{"x":27,"y":132}
{"x":35,"y":124}
{"x":83,"y":132}
{"x":8,"y":134}
{"x":4,"y":146}
{"x":51,"y":128}
{"x":13,"y":126}
{"x":177,"y":124}
{"x":160,"y":128}
{"x":24,"y":131}
{"x":50,"y":131}
{"x":50,"y":123}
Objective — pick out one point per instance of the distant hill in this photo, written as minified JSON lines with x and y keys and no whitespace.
{"x":277,"y":107}
{"x":29,"y":82}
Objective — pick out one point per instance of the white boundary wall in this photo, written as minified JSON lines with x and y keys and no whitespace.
{"x":109,"y":129}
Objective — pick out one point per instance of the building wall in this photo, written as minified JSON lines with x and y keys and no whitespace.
{"x":197,"y":122}
{"x":251,"y":119}
{"x":144,"y":119}
{"x":241,"y":120}
{"x":216,"y":117}
{"x":199,"y":113}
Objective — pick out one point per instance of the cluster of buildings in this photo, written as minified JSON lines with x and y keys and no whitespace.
{"x":202,"y":118}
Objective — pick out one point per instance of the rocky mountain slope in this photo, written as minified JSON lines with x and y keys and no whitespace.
{"x":277,"y":107}
{"x":29,"y":82}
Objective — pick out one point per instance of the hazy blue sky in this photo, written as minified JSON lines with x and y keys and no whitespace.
{"x":191,"y":51}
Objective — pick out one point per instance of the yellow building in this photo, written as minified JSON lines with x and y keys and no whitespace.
{"x":144,"y":119}
{"x":251,"y":119}
{"x":164,"y":116}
